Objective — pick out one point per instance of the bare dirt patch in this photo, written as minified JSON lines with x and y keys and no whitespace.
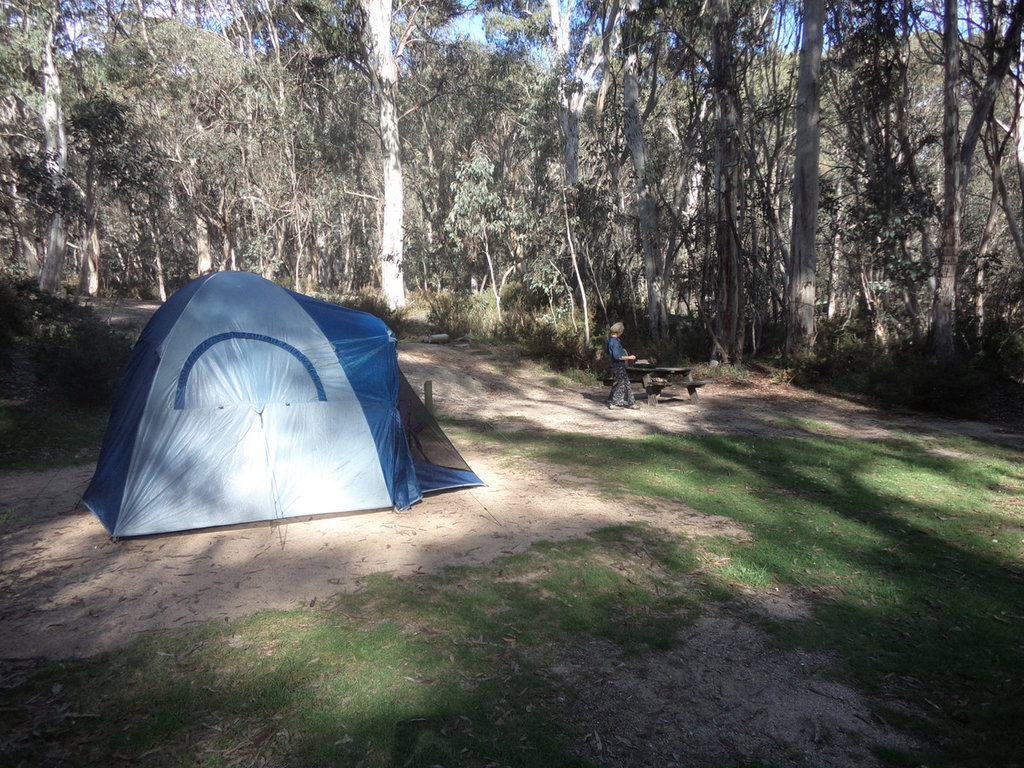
{"x":67,"y":590}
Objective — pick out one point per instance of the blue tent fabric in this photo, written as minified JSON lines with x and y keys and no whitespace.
{"x":243,"y":401}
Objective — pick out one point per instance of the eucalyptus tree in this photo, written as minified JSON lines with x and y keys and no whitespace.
{"x":120,"y":180}
{"x":193,"y":88}
{"x":728,"y":331}
{"x":1002,"y":38}
{"x":383,"y":72}
{"x":802,"y":270}
{"x":879,"y":149}
{"x":768,"y":67}
{"x":468,"y":107}
{"x":582,"y":35}
{"x":56,"y":153}
{"x":21,"y":169}
{"x":646,"y":202}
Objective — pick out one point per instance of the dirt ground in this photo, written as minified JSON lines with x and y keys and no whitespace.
{"x":67,"y":590}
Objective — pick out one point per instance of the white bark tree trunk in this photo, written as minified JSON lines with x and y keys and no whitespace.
{"x":957,"y":156}
{"x":55,"y":145}
{"x":89,"y":268}
{"x":647,"y":206}
{"x":384,"y":76}
{"x":204,"y":259}
{"x":575,"y":78}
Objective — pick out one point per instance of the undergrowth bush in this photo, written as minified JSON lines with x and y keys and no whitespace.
{"x":373,"y":303}
{"x":904,"y":375}
{"x":686,"y":343}
{"x":561,"y":345}
{"x":82,"y":360}
{"x":10,"y":319}
{"x":76,"y":356}
{"x":1005,"y":345}
{"x":460,"y":314}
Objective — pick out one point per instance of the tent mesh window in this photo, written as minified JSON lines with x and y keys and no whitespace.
{"x":426,"y":440}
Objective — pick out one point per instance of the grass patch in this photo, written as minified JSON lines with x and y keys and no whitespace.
{"x":444,"y":670}
{"x":911,"y":549}
{"x":41,"y":435}
{"x":808,"y":425}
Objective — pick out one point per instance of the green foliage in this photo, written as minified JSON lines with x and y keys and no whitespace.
{"x":687,"y":343}
{"x":74,"y":354}
{"x":561,"y":344}
{"x":373,"y":303}
{"x":11,"y":320}
{"x":460,"y":314}
{"x":82,"y":360}
{"x":1004,"y":346}
{"x":903,"y":375}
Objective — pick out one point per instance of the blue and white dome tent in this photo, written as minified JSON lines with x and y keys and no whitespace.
{"x":243,"y":401}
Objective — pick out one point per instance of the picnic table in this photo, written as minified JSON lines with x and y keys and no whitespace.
{"x":656,"y":378}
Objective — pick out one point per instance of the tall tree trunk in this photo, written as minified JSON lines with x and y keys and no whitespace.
{"x":575,"y":79}
{"x":23,"y":245}
{"x":576,"y":272}
{"x":89,"y":269}
{"x":158,"y":264}
{"x":384,"y":75}
{"x":728,"y":185}
{"x":55,"y":145}
{"x":949,"y":246}
{"x":647,"y":205}
{"x":204,"y":258}
{"x":802,"y":271}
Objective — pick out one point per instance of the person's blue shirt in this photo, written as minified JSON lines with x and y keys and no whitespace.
{"x":615,"y":351}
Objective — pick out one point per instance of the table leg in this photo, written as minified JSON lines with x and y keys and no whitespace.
{"x":652,"y":397}
{"x":692,"y":390}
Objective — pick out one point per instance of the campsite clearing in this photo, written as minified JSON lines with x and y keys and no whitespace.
{"x":68,"y":590}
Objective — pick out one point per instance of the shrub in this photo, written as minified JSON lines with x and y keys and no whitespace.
{"x":76,"y":356}
{"x":1005,"y":346}
{"x":374,"y":304}
{"x":10,"y":319}
{"x":460,"y":314}
{"x":561,"y":345}
{"x":901,"y":375}
{"x":82,"y":362}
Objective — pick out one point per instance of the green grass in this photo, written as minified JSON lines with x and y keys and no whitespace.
{"x":433,"y":670}
{"x":910,"y":550}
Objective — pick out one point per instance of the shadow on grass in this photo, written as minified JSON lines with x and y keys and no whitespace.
{"x":431,"y":670}
{"x":904,"y":547}
{"x":910,"y":548}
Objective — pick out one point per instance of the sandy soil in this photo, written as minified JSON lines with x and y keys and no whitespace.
{"x":69,"y":591}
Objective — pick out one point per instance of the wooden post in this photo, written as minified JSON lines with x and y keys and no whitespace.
{"x":428,"y":396}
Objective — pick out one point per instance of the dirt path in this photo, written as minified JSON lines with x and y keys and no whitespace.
{"x":68,"y":591}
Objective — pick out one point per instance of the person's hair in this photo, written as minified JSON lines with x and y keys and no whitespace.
{"x":618,"y":328}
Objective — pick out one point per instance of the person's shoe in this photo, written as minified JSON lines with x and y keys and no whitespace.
{"x":631,"y":407}
{"x":610,"y":406}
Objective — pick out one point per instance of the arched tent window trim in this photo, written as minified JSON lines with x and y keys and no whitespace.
{"x":200,"y":350}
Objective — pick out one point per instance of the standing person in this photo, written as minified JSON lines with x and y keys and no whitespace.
{"x":622,"y":390}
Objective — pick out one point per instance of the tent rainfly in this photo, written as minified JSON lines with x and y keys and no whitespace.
{"x":243,"y":401}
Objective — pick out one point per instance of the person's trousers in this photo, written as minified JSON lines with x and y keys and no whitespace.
{"x":622,"y":390}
